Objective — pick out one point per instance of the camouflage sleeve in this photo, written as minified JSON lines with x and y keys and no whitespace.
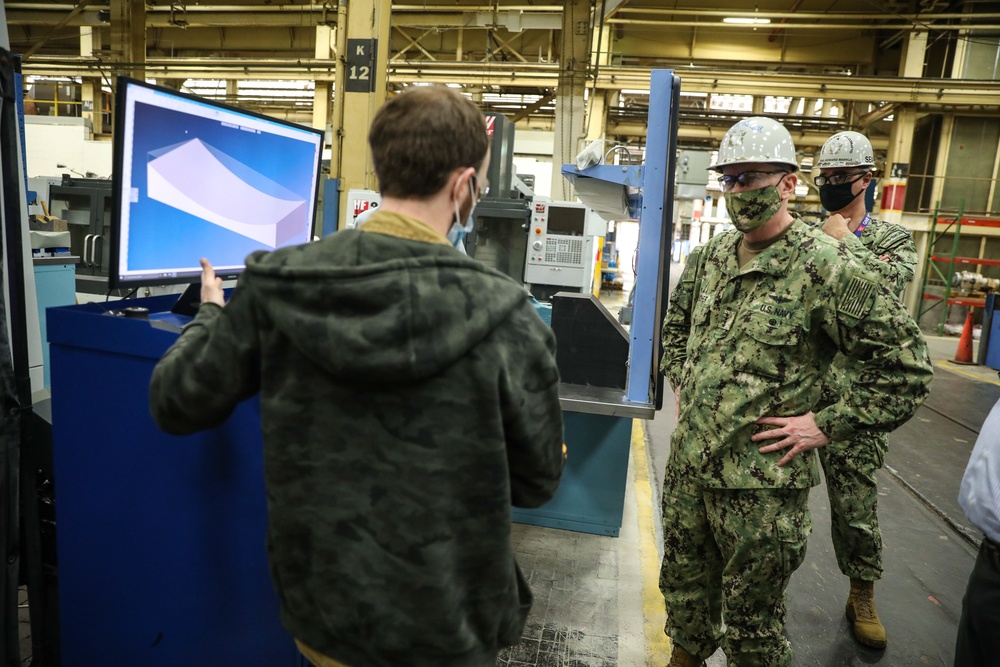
{"x":893,"y":372}
{"x":896,"y":245}
{"x":211,"y":368}
{"x":533,"y":424}
{"x":677,"y":322}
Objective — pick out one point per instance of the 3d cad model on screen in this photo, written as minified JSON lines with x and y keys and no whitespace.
{"x":255,"y":206}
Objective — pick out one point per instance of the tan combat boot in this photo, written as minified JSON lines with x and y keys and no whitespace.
{"x":861,"y":613}
{"x":681,"y":658}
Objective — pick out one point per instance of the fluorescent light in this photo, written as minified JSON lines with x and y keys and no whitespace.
{"x":741,"y":20}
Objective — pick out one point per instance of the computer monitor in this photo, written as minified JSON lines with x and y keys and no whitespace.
{"x":195,"y":178}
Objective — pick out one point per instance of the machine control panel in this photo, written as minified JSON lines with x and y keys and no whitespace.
{"x":557,"y":234}
{"x":359,"y":203}
{"x":560,"y":246}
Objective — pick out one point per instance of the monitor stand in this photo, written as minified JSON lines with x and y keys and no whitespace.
{"x":189,"y":301}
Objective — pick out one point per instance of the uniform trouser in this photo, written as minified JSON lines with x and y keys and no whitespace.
{"x":852,"y":486}
{"x":729,"y":554}
{"x":978,"y":643}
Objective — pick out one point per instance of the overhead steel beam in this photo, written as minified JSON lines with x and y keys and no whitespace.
{"x":694,"y":132}
{"x":413,"y":43}
{"x":65,"y":20}
{"x":48,"y":15}
{"x":195,"y":16}
{"x":941,"y":92}
{"x":514,"y":19}
{"x":503,"y":47}
{"x":612,"y":6}
{"x":401,"y":7}
{"x":844,"y":88}
{"x":876,"y":115}
{"x":528,"y":110}
{"x":836,"y":16}
{"x":248,"y":18}
{"x":803,"y":26}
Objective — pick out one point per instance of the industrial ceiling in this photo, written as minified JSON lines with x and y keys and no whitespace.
{"x":823,"y":65}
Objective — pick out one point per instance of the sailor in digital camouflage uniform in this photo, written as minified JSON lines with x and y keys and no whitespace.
{"x":408,"y":396}
{"x":845,"y":165}
{"x":758,"y":317}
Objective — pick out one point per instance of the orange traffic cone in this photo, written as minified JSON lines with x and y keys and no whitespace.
{"x":964,"y":353}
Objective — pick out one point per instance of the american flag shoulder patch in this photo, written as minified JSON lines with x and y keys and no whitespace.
{"x":857,"y":299}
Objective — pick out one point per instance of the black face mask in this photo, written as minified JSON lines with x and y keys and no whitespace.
{"x":837,"y":197}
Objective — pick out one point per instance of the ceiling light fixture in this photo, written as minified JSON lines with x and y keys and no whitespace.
{"x":742,"y":20}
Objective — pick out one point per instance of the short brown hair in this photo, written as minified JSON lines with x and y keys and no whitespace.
{"x":421,"y":136}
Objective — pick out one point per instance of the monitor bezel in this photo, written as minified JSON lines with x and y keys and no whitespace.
{"x":122,"y":86}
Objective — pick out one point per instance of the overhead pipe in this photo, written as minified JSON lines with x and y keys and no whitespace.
{"x":300,"y":11}
{"x":844,"y":88}
{"x":774,"y":34}
{"x":308,"y":15}
{"x":846,"y":16}
{"x":810,"y":26}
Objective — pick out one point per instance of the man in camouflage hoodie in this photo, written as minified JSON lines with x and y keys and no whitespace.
{"x":846,"y":163}
{"x":409,"y":395}
{"x":751,"y":330}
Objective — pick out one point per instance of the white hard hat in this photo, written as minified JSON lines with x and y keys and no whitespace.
{"x":846,"y":149}
{"x":756,"y":139}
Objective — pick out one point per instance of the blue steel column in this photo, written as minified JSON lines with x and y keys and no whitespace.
{"x":654,"y":226}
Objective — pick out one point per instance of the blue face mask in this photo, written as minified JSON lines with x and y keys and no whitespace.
{"x":458,"y":231}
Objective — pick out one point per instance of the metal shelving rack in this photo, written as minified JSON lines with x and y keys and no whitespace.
{"x":946,"y":299}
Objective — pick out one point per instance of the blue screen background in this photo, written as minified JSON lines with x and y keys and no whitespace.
{"x":163,"y":238}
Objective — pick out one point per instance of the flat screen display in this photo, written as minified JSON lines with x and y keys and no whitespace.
{"x":195,"y":178}
{"x":567,"y":220}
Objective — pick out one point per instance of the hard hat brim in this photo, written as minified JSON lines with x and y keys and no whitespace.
{"x":717,"y":167}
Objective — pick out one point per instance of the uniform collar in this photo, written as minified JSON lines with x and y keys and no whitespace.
{"x":402,"y":226}
{"x":773,"y":260}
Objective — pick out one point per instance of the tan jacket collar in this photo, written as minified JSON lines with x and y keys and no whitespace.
{"x":402,"y":226}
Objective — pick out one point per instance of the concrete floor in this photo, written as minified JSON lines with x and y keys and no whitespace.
{"x":614,"y":614}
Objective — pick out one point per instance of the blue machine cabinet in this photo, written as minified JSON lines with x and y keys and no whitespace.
{"x":160,"y":539}
{"x":591,"y":495}
{"x":598,"y":420}
{"x":55,"y":285}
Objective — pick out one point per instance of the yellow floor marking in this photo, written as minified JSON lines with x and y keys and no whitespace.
{"x":657,"y":643}
{"x":955,"y":368}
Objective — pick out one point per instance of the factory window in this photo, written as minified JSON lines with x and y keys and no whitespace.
{"x":264,"y":96}
{"x":982,"y":56}
{"x":55,"y":98}
{"x":727,"y":102}
{"x":970,"y":175}
{"x":64,"y":96}
{"x":923,"y":161}
{"x":773,"y":105}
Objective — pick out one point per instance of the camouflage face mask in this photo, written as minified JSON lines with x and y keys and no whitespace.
{"x":749,"y":210}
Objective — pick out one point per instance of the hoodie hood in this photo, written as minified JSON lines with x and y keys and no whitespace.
{"x":392,"y":302}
